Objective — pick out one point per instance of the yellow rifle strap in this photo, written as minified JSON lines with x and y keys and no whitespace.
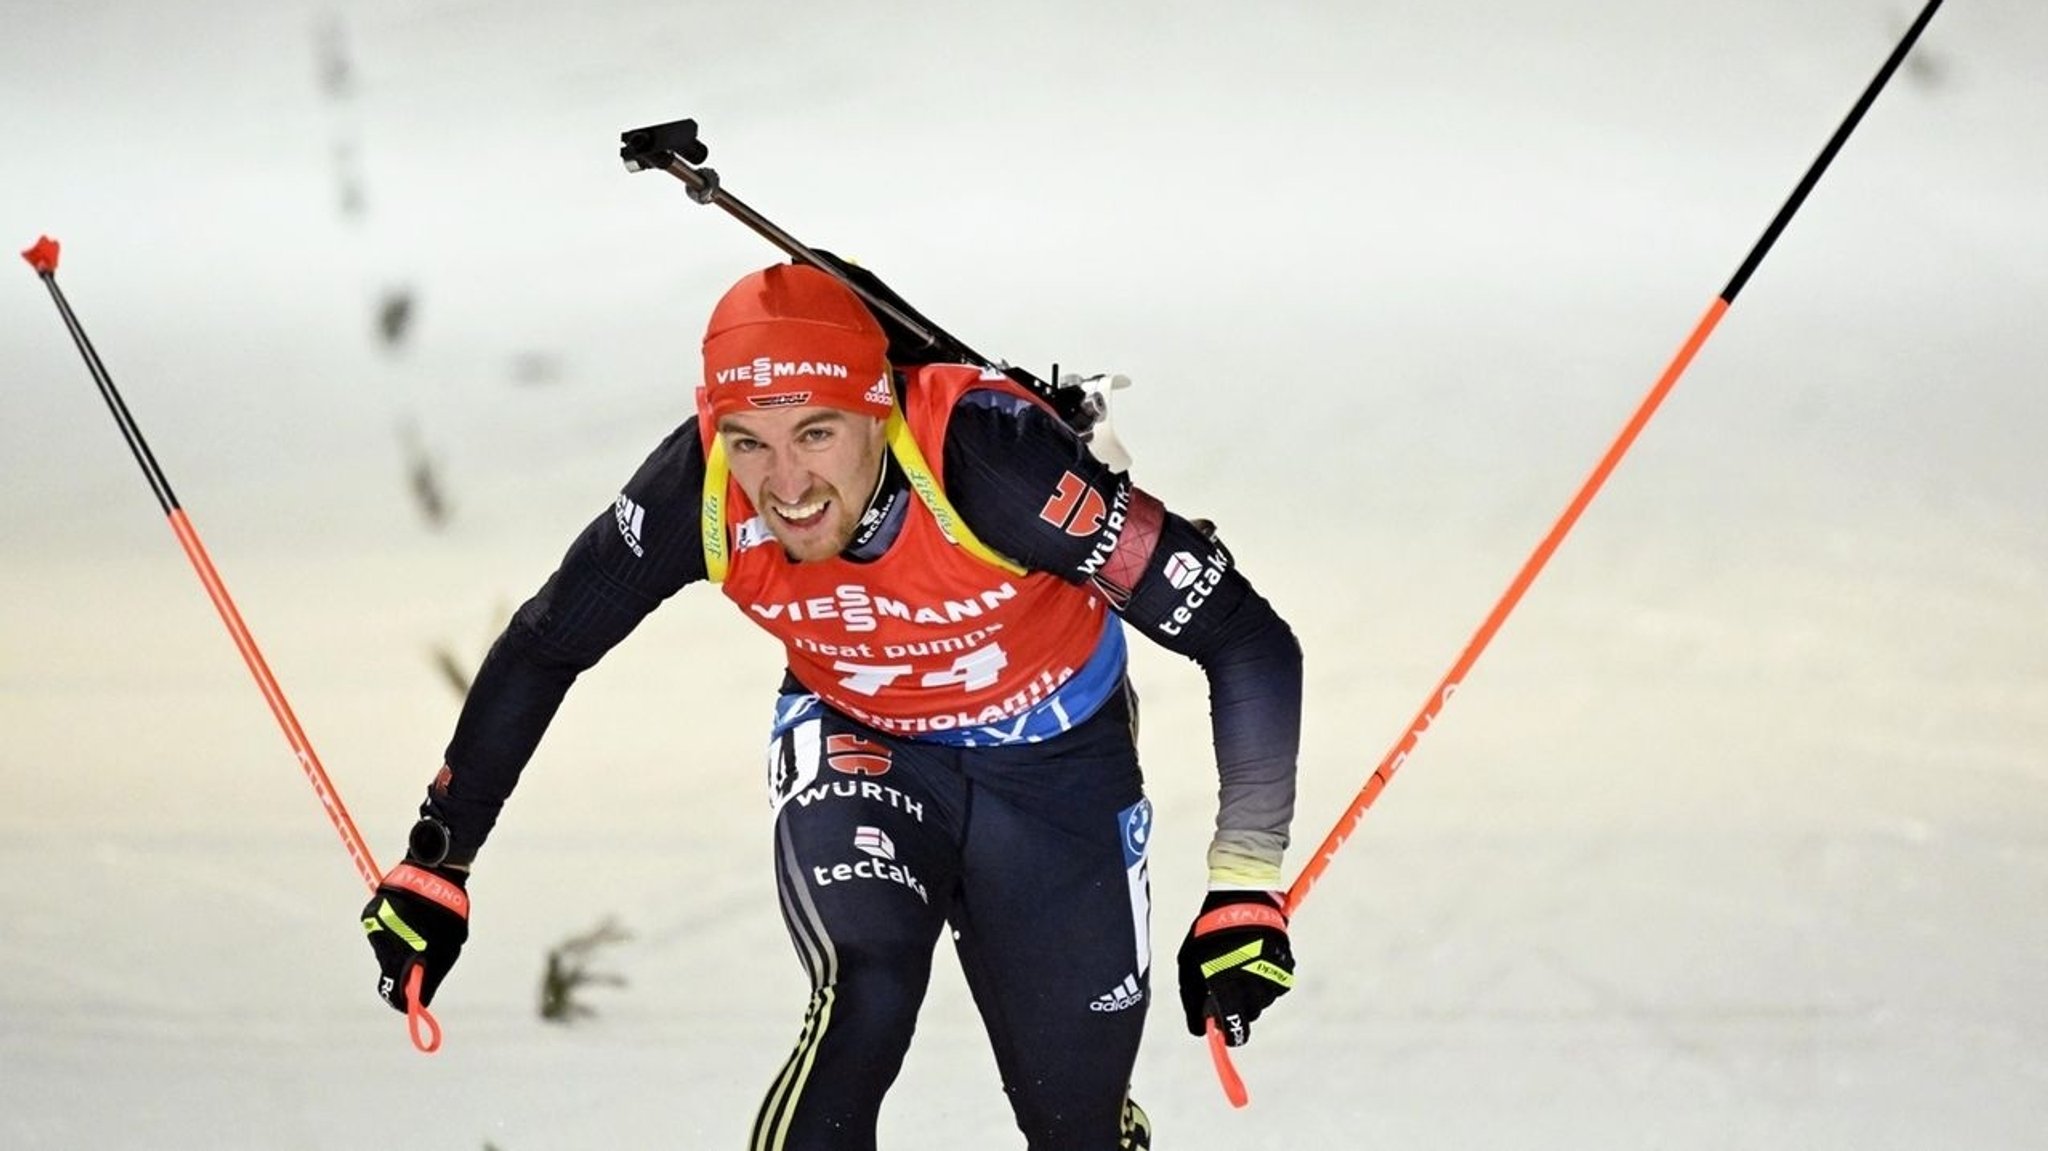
{"x":926,"y":485}
{"x":712,"y":518}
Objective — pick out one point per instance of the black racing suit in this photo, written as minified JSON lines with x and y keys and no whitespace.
{"x":1027,"y":850}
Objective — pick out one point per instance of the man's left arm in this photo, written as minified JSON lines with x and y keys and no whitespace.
{"x":1029,"y":488}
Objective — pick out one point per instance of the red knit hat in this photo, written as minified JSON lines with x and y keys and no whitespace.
{"x":792,"y":335}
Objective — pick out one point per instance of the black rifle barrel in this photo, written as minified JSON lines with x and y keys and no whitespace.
{"x":705,"y":189}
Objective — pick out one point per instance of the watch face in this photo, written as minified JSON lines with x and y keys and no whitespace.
{"x":428,"y":843}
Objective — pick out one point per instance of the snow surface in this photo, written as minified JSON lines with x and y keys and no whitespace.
{"x":1733,"y":838}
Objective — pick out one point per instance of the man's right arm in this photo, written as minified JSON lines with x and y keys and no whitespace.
{"x":635,"y":554}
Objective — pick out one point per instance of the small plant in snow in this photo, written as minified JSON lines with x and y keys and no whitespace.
{"x":568,"y":971}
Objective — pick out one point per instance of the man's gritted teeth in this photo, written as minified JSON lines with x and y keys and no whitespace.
{"x":801,"y":515}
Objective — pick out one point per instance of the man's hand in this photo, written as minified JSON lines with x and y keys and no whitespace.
{"x":418,"y":917}
{"x":1235,"y":962}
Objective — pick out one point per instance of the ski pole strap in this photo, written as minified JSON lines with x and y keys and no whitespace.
{"x":419,"y":1022}
{"x":1226,"y":1071}
{"x":1232,"y":915}
{"x":429,"y":886}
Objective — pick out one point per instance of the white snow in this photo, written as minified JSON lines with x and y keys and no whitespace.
{"x":1733,"y":837}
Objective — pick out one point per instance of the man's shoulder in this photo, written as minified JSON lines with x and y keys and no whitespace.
{"x":971,"y":402}
{"x":681,"y":447}
{"x":674,"y":470}
{"x":952,"y":387}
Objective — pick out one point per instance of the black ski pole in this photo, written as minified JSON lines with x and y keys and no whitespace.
{"x":425,"y":1030}
{"x":1398,"y":754}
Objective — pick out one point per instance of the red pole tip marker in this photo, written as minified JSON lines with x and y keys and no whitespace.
{"x":42,"y":257}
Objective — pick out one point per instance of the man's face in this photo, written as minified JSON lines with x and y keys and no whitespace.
{"x":810,"y":471}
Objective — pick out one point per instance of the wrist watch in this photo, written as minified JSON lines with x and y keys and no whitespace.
{"x":428,"y":843}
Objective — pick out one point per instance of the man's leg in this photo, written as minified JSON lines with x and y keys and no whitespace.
{"x":1052,"y":923}
{"x":865,"y":862}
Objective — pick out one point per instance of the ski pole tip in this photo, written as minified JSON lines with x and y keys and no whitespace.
{"x":42,"y":256}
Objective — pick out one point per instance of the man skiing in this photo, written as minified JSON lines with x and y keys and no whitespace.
{"x":950,"y":573}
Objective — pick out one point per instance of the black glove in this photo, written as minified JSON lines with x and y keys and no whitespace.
{"x":418,"y":917}
{"x":1235,"y":962}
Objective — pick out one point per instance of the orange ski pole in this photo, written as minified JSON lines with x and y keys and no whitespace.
{"x":422,"y":1026}
{"x":1403,"y":747}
